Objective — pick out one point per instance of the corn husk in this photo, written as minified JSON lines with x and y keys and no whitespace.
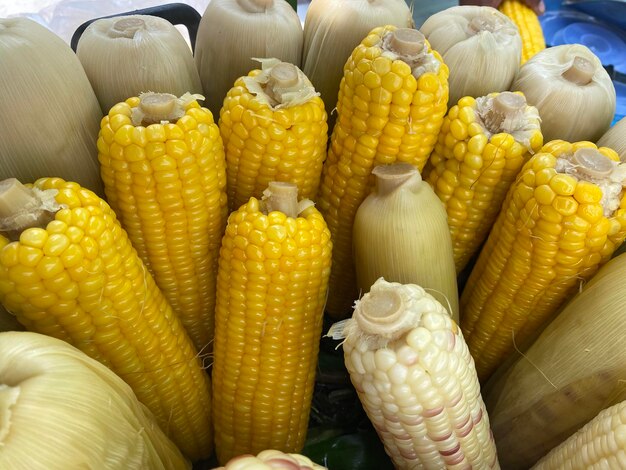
{"x":401,"y":233}
{"x":615,"y":138}
{"x":271,"y":459}
{"x":573,"y":93}
{"x":61,"y":410}
{"x":481,"y":46}
{"x":574,"y":369}
{"x":234,"y":32}
{"x":332,"y":29}
{"x":8,"y":322}
{"x":49,"y":114}
{"x":128,"y":55}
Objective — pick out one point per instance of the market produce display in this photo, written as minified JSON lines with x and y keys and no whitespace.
{"x":62,"y":409}
{"x":128,"y":55}
{"x":338,"y":243}
{"x":164,"y":172}
{"x":274,"y":128}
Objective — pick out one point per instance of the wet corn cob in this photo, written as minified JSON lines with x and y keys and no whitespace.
{"x":482,"y":145}
{"x":271,"y":459}
{"x":163,"y":167}
{"x":391,"y":104}
{"x":601,"y":443}
{"x":74,"y":275}
{"x":528,"y":25}
{"x":271,"y":288}
{"x":273,"y":124}
{"x":563,"y":217}
{"x":416,"y":380}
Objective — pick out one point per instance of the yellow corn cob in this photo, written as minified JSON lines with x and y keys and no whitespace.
{"x":80,"y":280}
{"x":271,"y":459}
{"x":416,"y":380}
{"x":167,"y":184}
{"x":600,"y":444}
{"x":385,"y":115}
{"x":482,"y":145}
{"x":271,"y":288}
{"x":555,"y":229}
{"x":528,"y":25}
{"x":277,"y":132}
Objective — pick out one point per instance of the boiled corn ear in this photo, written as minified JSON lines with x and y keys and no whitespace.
{"x":601,"y":443}
{"x":72,"y":273}
{"x":392,"y":100}
{"x":274,"y":128}
{"x":163,"y":167}
{"x":528,"y":24}
{"x":563,"y":217}
{"x":482,"y":145}
{"x":416,"y":380}
{"x":271,"y":288}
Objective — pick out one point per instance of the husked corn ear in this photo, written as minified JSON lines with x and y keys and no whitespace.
{"x":391,"y":104}
{"x":163,"y":167}
{"x":271,"y":459}
{"x":563,"y":217}
{"x":416,"y":380}
{"x":74,"y":275}
{"x":528,"y":25}
{"x":273,"y":124}
{"x":482,"y":145}
{"x":615,"y":138}
{"x":601,"y":443}
{"x":271,"y":288}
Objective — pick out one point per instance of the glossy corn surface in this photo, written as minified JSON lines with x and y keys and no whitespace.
{"x":266,"y":143}
{"x":528,"y":25}
{"x":271,"y":288}
{"x":551,"y":234}
{"x":471,"y":170}
{"x":167,"y":184}
{"x":385,"y":115}
{"x":80,"y":280}
{"x":600,"y":444}
{"x":419,"y":388}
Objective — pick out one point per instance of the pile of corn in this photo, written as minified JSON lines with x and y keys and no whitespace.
{"x":193,"y":255}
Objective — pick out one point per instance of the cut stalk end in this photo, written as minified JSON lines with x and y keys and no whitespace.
{"x":592,"y":163}
{"x":255,"y":6}
{"x":482,"y":23}
{"x":22,"y":208}
{"x":282,"y":197}
{"x":407,"y":41}
{"x":284,"y":75}
{"x":391,"y":177}
{"x":157,"y":107}
{"x":126,"y":27}
{"x":502,"y":107}
{"x":14,"y":197}
{"x":381,"y":312}
{"x":581,"y":71}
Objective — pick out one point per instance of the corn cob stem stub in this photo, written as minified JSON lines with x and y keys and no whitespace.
{"x":22,"y":207}
{"x":580,"y":72}
{"x":126,"y":28}
{"x":389,"y":177}
{"x":282,"y":197}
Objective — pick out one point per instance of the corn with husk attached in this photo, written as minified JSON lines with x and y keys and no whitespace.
{"x":128,"y":55}
{"x":528,"y":24}
{"x":562,"y":218}
{"x":333,"y":29}
{"x":481,"y":46}
{"x":615,"y":138}
{"x":392,"y":100}
{"x":573,"y":370}
{"x":572,"y":91}
{"x":395,"y":231}
{"x":274,"y":128}
{"x":61,"y":409}
{"x":416,"y":380}
{"x":162,"y":162}
{"x":272,"y":282}
{"x":270,"y":460}
{"x":600,"y":444}
{"x":49,"y":112}
{"x":482,"y":145}
{"x":233,"y":32}
{"x":68,"y":270}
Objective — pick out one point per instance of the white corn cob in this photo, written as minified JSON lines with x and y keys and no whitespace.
{"x":271,"y":460}
{"x":600,"y":444}
{"x":416,"y":380}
